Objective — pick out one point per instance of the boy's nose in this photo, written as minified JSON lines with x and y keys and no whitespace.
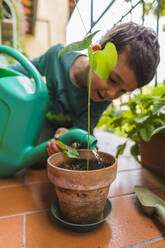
{"x":111,"y":93}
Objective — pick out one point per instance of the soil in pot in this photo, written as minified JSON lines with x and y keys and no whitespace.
{"x":82,"y":194}
{"x":82,"y":164}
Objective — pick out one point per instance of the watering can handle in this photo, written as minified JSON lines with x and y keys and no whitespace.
{"x":25,"y":63}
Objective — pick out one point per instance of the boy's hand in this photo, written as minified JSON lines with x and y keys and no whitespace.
{"x":53,"y":146}
{"x":60,"y":131}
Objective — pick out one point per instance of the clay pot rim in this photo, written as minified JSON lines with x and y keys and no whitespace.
{"x":84,"y":171}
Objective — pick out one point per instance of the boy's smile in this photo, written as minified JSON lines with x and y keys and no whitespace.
{"x":121,"y":80}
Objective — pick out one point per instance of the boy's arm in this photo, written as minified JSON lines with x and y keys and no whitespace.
{"x":41,"y":63}
{"x":19,"y":68}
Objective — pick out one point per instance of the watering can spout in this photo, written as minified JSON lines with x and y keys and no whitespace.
{"x":35,"y":154}
{"x":80,"y":136}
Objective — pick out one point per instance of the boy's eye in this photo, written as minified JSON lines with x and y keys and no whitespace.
{"x":123,"y":91}
{"x":112,"y":80}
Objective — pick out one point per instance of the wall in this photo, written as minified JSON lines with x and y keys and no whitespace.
{"x":50,"y":27}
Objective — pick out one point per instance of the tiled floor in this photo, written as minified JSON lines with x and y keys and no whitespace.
{"x":25,"y":201}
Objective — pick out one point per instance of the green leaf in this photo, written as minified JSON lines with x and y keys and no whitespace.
{"x":116,"y":112}
{"x":158,"y":91}
{"x":103,"y":121}
{"x":91,"y":55}
{"x":159,"y":106}
{"x":103,"y":62}
{"x":135,"y":151}
{"x":69,"y":151}
{"x":146,"y":132}
{"x":62,"y":145}
{"x":120,"y":149}
{"x":141,"y":119}
{"x":72,"y":153}
{"x":78,"y":45}
{"x":157,"y":130}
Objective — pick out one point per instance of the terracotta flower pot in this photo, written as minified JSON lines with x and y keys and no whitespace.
{"x":153,"y":153}
{"x":81,"y":194}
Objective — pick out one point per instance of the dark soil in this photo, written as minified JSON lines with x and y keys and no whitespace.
{"x":78,"y":164}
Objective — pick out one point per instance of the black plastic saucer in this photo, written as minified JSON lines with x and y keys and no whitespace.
{"x":55,"y":211}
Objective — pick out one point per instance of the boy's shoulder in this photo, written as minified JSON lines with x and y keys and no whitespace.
{"x":51,"y":53}
{"x":55,"y":48}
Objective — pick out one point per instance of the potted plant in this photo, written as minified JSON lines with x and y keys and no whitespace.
{"x":82,"y":193}
{"x":142,"y":119}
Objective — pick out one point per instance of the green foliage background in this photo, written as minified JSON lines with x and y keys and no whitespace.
{"x":153,"y":7}
{"x":142,"y":116}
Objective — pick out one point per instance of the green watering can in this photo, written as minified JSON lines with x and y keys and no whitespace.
{"x":23,"y":104}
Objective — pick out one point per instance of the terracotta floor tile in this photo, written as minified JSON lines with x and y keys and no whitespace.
{"x":50,"y":234}
{"x":25,"y":198}
{"x":127,"y":163}
{"x":120,"y":230}
{"x":11,"y":232}
{"x":13,"y":181}
{"x":156,"y":244}
{"x":129,"y":225}
{"x":126,"y":180}
{"x":108,"y":142}
{"x":37,"y":175}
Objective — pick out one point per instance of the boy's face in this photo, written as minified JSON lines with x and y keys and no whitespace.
{"x":121,"y":80}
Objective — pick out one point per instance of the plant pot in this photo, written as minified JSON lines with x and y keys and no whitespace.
{"x":153,"y":153}
{"x":81,"y":194}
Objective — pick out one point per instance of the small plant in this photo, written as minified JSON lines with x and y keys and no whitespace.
{"x":69,"y":151}
{"x":101,"y":62}
{"x":140,"y":118}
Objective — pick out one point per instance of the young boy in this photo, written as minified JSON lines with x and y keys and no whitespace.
{"x":67,"y":79}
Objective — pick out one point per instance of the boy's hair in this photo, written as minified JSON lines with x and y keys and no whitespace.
{"x":142,"y":47}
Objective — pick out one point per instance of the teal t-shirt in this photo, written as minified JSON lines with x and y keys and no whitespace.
{"x":68,"y":103}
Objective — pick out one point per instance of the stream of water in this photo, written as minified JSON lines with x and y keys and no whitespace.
{"x":96,"y":154}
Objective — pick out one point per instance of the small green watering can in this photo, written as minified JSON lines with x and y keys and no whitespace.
{"x":23,"y":104}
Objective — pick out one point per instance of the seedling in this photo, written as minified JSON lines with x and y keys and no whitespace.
{"x":67,"y":150}
{"x":102,"y":62}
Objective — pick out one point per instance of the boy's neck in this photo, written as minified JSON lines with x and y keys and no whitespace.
{"x":80,"y":71}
